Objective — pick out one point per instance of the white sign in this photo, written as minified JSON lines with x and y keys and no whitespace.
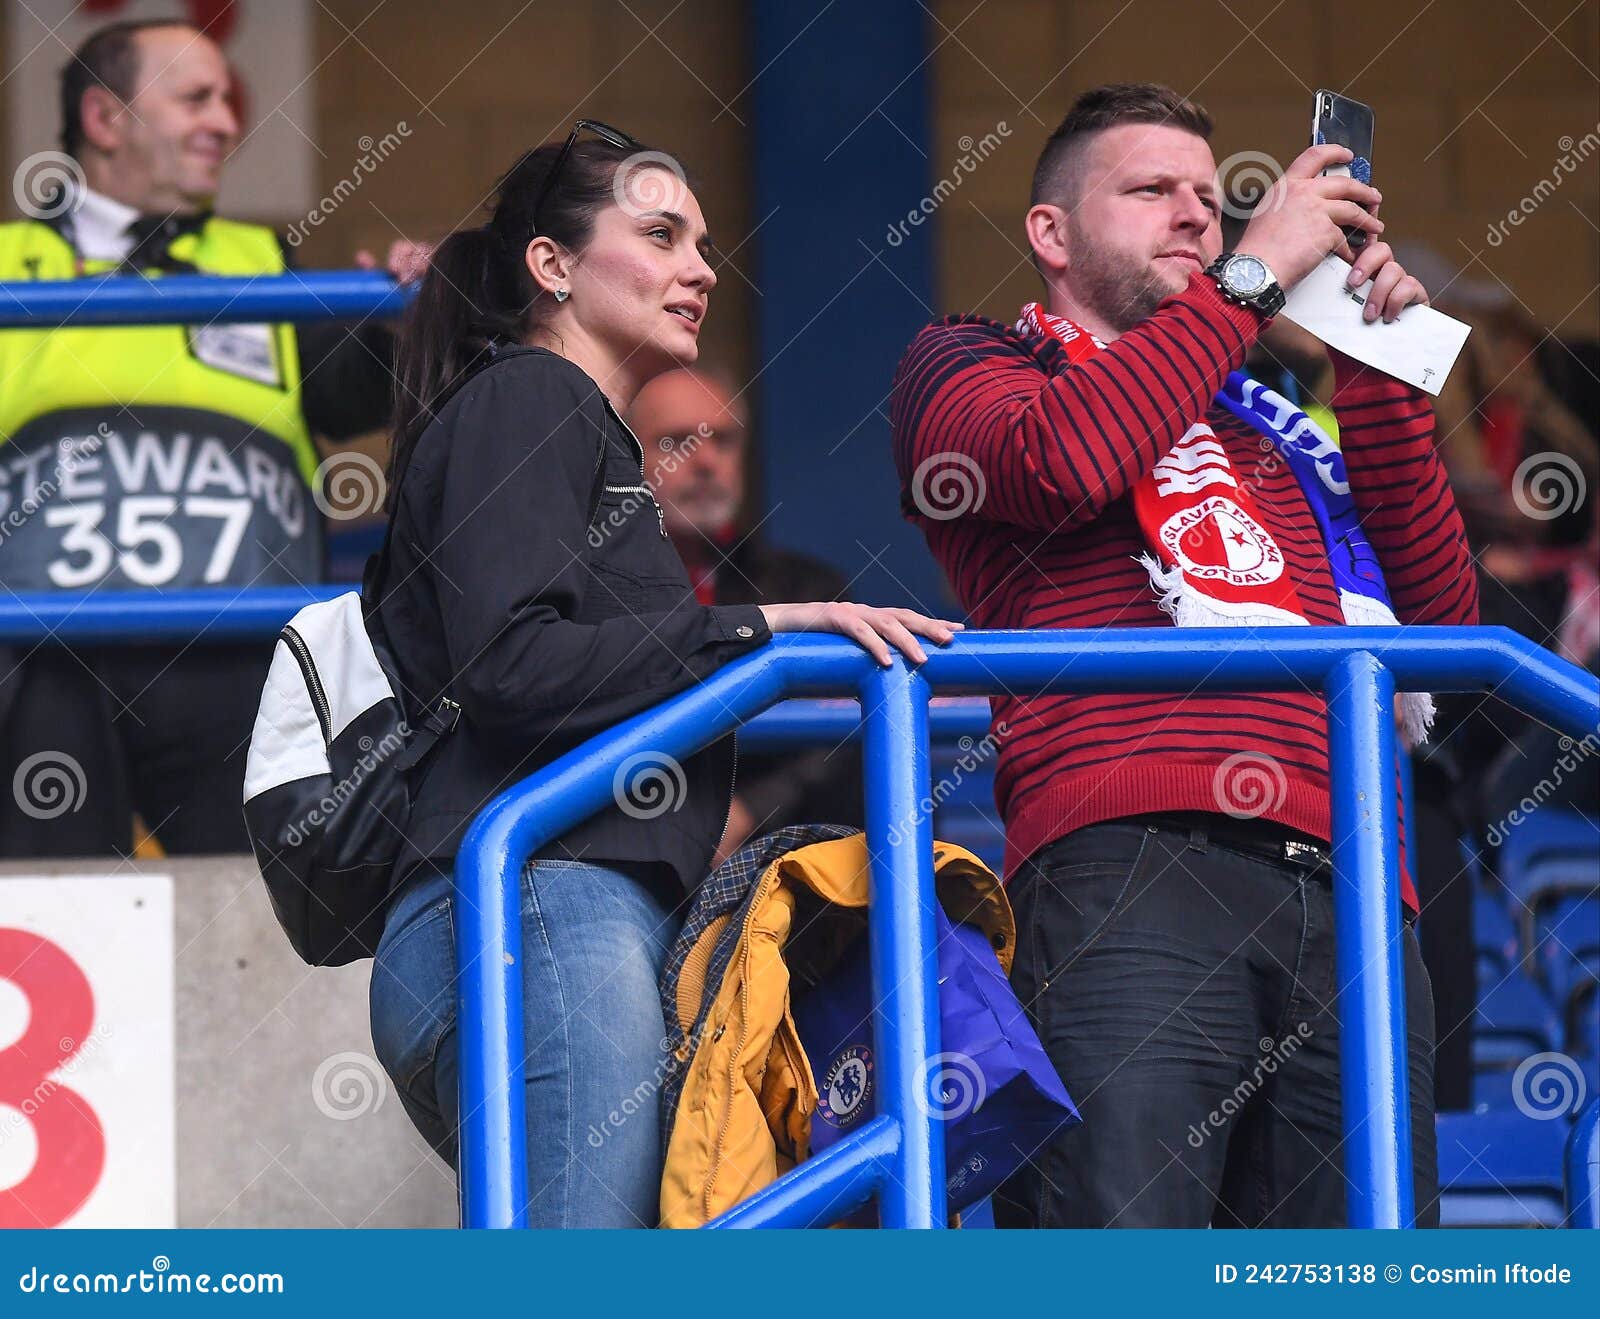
{"x":1419,"y":346}
{"x":272,"y":175}
{"x":87,"y":1096}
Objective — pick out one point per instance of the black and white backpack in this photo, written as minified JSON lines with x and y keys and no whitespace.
{"x":326,"y":791}
{"x":326,"y":796}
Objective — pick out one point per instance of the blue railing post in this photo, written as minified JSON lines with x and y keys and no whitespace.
{"x":905,"y":962}
{"x":1583,"y":1168}
{"x":1366,"y":906}
{"x":492,"y":1153}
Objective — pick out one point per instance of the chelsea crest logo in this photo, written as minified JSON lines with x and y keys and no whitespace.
{"x":846,"y":1087}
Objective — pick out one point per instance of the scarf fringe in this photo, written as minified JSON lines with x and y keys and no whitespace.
{"x":1189,"y":607}
{"x":1417,"y":709}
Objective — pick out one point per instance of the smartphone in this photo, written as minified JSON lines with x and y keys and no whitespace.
{"x":1346,"y":123}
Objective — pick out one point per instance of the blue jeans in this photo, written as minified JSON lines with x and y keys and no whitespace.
{"x":594,"y":943}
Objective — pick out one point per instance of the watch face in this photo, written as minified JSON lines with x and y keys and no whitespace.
{"x":1246,"y":275}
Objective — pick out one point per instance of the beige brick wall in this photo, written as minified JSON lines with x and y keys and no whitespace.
{"x":1472,"y":101}
{"x":478,"y":84}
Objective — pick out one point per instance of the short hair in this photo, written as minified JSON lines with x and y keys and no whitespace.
{"x":109,"y":58}
{"x":1055,"y":176}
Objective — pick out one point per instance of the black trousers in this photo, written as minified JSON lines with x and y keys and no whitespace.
{"x":1185,"y":991}
{"x":88,"y":735}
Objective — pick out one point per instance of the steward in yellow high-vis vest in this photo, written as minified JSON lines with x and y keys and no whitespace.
{"x":153,"y":455}
{"x":157,"y":458}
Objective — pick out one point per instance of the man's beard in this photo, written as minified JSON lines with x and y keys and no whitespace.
{"x":1107,"y":280}
{"x":706,"y":510}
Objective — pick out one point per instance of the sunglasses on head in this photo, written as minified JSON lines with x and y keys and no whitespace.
{"x":615,"y":136}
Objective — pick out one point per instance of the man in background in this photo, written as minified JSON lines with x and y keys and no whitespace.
{"x":696,"y":444}
{"x":153,"y":458}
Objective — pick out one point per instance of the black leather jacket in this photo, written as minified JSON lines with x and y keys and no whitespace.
{"x":531,"y":580}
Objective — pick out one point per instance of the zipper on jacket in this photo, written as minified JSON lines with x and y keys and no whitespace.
{"x":308,"y":671}
{"x":733,"y":778}
{"x":644,"y":485}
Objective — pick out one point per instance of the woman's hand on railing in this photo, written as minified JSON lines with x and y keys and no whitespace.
{"x":874,"y":629}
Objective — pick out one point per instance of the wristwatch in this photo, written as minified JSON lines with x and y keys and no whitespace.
{"x":1246,"y":280}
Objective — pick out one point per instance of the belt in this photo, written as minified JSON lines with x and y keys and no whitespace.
{"x":1257,"y":838}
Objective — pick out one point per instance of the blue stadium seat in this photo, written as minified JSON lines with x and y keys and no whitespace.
{"x":1566,"y":950}
{"x":1514,"y":1019}
{"x":1553,"y":853}
{"x":1583,"y":1023}
{"x":1564,"y":1082}
{"x":1500,"y":1169}
{"x":1492,"y":1089}
{"x":1493,"y":935}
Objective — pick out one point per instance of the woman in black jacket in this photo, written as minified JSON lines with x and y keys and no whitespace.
{"x":532,"y":582}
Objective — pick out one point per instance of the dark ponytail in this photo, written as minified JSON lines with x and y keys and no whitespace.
{"x":478,"y":291}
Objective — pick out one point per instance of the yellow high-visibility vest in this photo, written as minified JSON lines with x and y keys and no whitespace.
{"x":153,"y":455}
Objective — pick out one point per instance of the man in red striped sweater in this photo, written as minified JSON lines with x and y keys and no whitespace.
{"x":1167,"y":855}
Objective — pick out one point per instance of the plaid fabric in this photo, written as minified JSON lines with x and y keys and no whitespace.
{"x":730,"y":888}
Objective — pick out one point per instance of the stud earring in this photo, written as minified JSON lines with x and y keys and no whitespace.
{"x":562,"y":295}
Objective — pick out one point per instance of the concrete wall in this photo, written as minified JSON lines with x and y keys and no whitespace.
{"x":253,"y":1025}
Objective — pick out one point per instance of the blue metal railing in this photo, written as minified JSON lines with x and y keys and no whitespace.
{"x":200,"y":299}
{"x":899,"y":1156}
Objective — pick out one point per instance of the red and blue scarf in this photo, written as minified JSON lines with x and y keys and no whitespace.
{"x":1210,"y":556}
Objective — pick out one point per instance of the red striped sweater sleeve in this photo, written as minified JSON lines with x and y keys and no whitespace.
{"x":1400,"y":488}
{"x":1056,"y":447}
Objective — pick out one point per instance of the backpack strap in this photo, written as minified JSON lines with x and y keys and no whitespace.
{"x":436,"y":723}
